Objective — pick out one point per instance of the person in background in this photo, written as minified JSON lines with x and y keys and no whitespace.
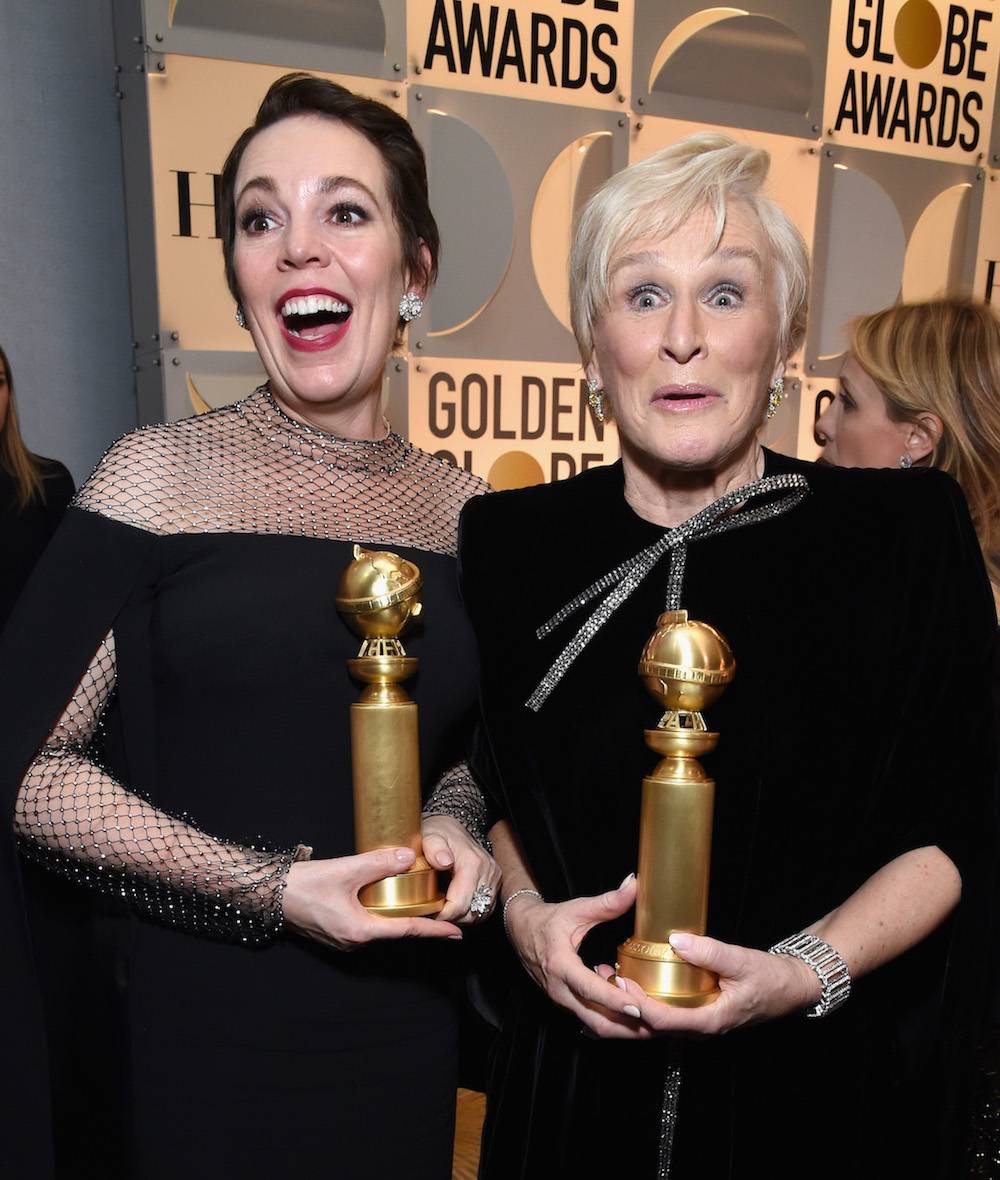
{"x":920,"y":387}
{"x":34,"y":493}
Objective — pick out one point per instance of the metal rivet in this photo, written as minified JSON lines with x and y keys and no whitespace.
{"x":399,"y":366}
{"x":396,"y":66}
{"x":175,"y":335}
{"x":420,"y":344}
{"x":418,"y":69}
{"x":135,"y":368}
{"x":161,"y":66}
{"x":622,"y":122}
{"x":420,"y":368}
{"x":159,"y":36}
{"x":156,"y":362}
{"x":641,"y":102}
{"x":395,"y":94}
{"x":176,"y":360}
{"x":812,"y":368}
{"x":140,"y":69}
{"x":621,"y":97}
{"x":815,"y":127}
{"x":828,"y":153}
{"x":137,"y":40}
{"x":638,"y":125}
{"x":418,"y":96}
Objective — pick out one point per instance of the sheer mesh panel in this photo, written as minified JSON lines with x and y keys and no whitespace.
{"x":246,"y":468}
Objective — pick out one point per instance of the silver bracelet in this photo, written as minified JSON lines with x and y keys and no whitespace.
{"x":834,"y":977}
{"x":517,"y":893}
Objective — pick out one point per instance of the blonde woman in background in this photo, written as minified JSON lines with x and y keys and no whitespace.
{"x":921,"y":387}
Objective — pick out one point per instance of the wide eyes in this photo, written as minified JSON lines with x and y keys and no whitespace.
{"x":650,"y":296}
{"x":257,"y":221}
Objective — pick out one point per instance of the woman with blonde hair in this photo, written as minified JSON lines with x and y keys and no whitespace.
{"x":33,"y":493}
{"x":840,"y":848}
{"x":921,"y":387}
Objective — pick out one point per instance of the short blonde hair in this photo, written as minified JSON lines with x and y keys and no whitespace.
{"x":943,"y":357}
{"x":652,"y":198}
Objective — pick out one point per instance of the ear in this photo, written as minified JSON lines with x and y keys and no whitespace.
{"x":417,"y":283}
{"x":922,"y":436}
{"x":780,"y":364}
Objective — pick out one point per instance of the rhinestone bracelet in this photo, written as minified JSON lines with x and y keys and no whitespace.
{"x":834,"y":977}
{"x":517,"y":893}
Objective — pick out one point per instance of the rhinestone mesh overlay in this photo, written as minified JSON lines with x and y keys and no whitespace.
{"x":718,"y":517}
{"x":457,"y":795}
{"x":246,"y":468}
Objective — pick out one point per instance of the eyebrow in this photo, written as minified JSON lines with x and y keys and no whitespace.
{"x":645,"y":257}
{"x":328,"y":184}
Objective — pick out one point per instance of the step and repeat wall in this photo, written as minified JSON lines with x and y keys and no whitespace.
{"x":881,"y":118}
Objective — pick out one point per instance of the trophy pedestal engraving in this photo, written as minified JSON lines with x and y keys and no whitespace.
{"x":379,"y":594}
{"x":685,"y":666}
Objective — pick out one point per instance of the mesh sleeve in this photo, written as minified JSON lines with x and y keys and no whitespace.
{"x":458,"y":795}
{"x":74,"y":818}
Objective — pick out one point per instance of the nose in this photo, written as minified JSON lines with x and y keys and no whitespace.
{"x":304,"y":246}
{"x":683,"y":338}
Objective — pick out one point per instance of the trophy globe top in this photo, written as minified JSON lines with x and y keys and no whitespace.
{"x":685,"y":664}
{"x":379,"y":593}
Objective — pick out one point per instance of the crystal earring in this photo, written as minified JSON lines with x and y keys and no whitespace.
{"x":410,"y":306}
{"x":775,"y":396}
{"x":241,"y":319}
{"x":595,"y":399}
{"x":905,"y":461}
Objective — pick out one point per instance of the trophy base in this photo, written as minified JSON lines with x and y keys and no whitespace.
{"x":408,"y":895}
{"x":662,"y":973}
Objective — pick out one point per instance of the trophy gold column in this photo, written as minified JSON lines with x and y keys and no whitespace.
{"x":378,"y":594}
{"x":685,"y":665}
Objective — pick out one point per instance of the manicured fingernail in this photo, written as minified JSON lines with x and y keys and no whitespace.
{"x":680,"y":941}
{"x":632,"y":1010}
{"x":404,"y":854}
{"x":455,"y":937}
{"x":628,"y":881}
{"x":594,"y":969}
{"x":445,"y":859}
{"x":619,"y":982}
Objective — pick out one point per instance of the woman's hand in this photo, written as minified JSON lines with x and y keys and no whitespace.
{"x":755,"y":986}
{"x":321,"y":901}
{"x":547,"y":938}
{"x":447,"y":845}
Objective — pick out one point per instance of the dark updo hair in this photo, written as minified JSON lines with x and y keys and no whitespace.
{"x":389,"y":133}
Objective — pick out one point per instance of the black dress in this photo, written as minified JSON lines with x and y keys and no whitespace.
{"x":201,"y":564}
{"x":857,"y":728}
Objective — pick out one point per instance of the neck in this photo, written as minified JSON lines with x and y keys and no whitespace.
{"x":360,"y":420}
{"x":668,"y":496}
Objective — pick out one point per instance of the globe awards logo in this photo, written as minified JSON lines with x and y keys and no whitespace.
{"x":915,"y":76}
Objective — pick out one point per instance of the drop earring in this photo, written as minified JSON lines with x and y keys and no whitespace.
{"x":241,"y":319}
{"x":775,"y":396}
{"x":595,"y":399}
{"x":410,"y":306}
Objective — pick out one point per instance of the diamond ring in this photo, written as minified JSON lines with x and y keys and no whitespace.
{"x":482,"y":901}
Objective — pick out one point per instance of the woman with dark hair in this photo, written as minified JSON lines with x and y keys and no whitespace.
{"x":185,"y":638}
{"x":34,"y":493}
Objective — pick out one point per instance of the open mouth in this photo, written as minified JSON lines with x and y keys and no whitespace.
{"x":685,"y":397}
{"x":314,"y":318}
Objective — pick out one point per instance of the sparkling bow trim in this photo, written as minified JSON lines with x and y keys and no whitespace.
{"x":620,"y":582}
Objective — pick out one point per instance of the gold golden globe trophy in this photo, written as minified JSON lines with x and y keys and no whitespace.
{"x":378,"y":594}
{"x":685,"y":665}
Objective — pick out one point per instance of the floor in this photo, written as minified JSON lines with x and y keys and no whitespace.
{"x":470,"y":1108}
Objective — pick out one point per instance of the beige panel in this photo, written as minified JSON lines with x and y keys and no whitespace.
{"x":570,"y":53}
{"x":197,"y":108}
{"x":936,"y":247}
{"x":914,"y":35}
{"x":497,"y":416}
{"x":987,"y":284}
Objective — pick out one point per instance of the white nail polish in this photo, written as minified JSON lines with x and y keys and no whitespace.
{"x":632,"y":1010}
{"x":619,"y":982}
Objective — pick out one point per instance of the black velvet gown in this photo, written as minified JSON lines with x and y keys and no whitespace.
{"x":856,"y":729}
{"x":210,"y":552}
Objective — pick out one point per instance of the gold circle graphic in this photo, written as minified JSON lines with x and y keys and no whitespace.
{"x":917,"y":33}
{"x":515,"y":469}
